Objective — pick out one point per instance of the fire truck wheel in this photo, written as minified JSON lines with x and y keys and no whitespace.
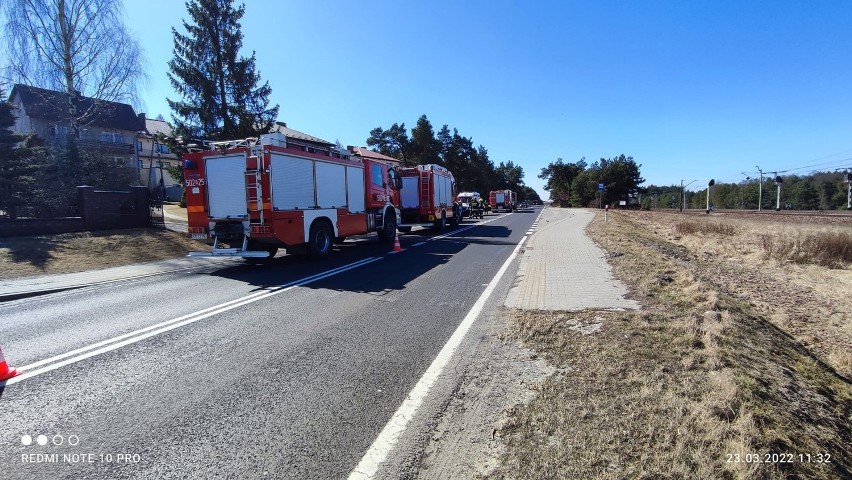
{"x":320,"y":239}
{"x":388,"y":231}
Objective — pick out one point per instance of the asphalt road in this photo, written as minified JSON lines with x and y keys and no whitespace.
{"x":283,"y":382}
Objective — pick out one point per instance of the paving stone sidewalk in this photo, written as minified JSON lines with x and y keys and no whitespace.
{"x":562,"y":269}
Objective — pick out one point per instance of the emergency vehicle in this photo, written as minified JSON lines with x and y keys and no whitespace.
{"x":259,"y":196}
{"x":464,"y":199}
{"x":426,"y":198}
{"x":503,"y":200}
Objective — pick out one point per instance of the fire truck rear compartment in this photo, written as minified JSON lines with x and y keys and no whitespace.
{"x":226,"y":186}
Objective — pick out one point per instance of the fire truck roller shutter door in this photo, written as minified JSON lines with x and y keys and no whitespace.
{"x":226,"y":185}
{"x":292,"y":182}
{"x":331,"y":185}
{"x":355,"y":188}
{"x":410,"y":192}
{"x":443,"y":194}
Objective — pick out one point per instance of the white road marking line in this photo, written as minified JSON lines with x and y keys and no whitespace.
{"x":418,"y":244}
{"x":389,"y":436}
{"x":139,"y":335}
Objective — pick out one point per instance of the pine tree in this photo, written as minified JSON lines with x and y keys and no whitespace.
{"x":221,"y":96}
{"x":425,"y":148}
{"x":20,"y":164}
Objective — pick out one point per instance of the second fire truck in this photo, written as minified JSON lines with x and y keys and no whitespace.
{"x":503,"y":200}
{"x":426,"y":198}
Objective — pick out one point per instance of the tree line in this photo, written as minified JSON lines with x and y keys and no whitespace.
{"x":471,"y":166}
{"x":817,"y":191}
{"x":603,"y":182}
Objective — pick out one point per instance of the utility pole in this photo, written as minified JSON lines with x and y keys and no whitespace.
{"x":760,"y":191}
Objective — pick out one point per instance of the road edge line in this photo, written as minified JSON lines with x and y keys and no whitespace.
{"x":389,"y":436}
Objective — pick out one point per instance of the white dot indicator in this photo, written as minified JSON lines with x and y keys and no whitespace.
{"x":41,"y":439}
{"x":26,"y":440}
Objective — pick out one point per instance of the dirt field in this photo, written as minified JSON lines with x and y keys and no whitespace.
{"x":738,"y":365}
{"x":76,"y":252}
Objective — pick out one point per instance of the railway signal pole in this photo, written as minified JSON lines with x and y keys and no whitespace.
{"x":849,"y":191}
{"x":742,"y":191}
{"x":709,"y":185}
{"x":760,"y":190}
{"x":778,"y":181}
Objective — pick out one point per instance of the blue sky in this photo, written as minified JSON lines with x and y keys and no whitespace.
{"x":692,"y":90}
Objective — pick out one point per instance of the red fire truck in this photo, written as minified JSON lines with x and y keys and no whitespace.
{"x":259,"y":196}
{"x":503,"y":200}
{"x":426,"y":198}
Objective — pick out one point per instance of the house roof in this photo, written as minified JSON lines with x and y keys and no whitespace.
{"x":53,"y":106}
{"x":154,"y":127}
{"x":367,"y":153}
{"x":281,"y":127}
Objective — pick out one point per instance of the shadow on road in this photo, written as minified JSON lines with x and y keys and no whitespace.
{"x":393,"y":272}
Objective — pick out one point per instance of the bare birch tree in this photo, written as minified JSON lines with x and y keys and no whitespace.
{"x":80,"y":47}
{"x":73,"y":45}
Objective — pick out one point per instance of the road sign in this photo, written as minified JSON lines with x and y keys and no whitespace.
{"x":601,"y":187}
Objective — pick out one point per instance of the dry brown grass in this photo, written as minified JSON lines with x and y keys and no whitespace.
{"x":827,"y":249}
{"x":677,"y":389}
{"x":76,"y":252}
{"x":706,"y":228}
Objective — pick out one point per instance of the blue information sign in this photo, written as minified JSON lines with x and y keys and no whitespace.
{"x":601,"y":187}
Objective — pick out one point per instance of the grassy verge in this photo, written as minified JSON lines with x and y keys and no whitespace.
{"x":75,"y":252}
{"x":698,"y":384}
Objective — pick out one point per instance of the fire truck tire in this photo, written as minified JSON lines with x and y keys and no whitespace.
{"x":388,"y":231}
{"x":320,"y":239}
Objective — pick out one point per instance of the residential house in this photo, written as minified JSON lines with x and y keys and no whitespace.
{"x":154,"y":156}
{"x":104,"y":126}
{"x":297,"y":139}
{"x":365,"y":152}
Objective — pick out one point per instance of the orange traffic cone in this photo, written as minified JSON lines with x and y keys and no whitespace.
{"x":396,"y":246}
{"x":5,"y":371}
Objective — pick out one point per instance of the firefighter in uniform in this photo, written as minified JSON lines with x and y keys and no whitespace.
{"x":480,"y":207}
